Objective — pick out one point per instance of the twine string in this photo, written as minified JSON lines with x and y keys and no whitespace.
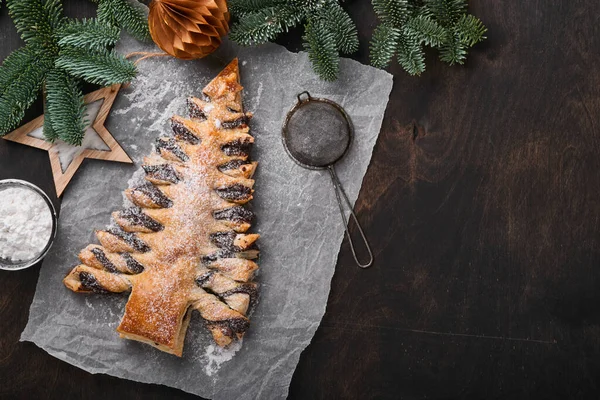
{"x":144,"y":56}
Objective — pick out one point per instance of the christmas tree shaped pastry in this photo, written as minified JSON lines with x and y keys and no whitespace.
{"x":184,"y":243}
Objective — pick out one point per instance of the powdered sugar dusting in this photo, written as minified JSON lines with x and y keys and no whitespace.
{"x":215,"y":356}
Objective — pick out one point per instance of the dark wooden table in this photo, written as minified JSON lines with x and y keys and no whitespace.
{"x":482,"y":203}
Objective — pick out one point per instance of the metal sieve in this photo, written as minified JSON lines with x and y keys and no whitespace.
{"x":317,"y":133}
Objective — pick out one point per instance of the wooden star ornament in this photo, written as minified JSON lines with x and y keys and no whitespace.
{"x":98,"y":142}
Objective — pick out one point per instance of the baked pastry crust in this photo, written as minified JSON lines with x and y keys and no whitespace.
{"x":184,"y":243}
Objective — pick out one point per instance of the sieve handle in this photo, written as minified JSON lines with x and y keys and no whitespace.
{"x":299,"y":96}
{"x":340,"y":190}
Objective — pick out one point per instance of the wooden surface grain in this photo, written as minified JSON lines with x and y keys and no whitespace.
{"x":483,"y":209}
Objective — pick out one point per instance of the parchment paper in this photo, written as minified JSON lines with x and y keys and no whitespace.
{"x":297,"y":216}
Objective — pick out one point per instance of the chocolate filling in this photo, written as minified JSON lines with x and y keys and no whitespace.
{"x":230,"y":326}
{"x":89,"y":282}
{"x":183,"y":133}
{"x":235,"y":214}
{"x":162,"y":172}
{"x":234,"y":192}
{"x":171,"y":146}
{"x":237,"y":148}
{"x":131,"y":239}
{"x":233,"y":164}
{"x":102,"y":259}
{"x":236,"y":123}
{"x":195,"y":111}
{"x":134,"y":266}
{"x":224,"y":240}
{"x":222,"y":253}
{"x":154,"y":194}
{"x":202,"y":279}
{"x":136,"y":217}
{"x":246,"y":288}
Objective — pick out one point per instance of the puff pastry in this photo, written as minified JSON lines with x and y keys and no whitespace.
{"x":184,"y":245}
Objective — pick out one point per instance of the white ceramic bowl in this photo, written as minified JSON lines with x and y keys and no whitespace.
{"x":17,"y":265}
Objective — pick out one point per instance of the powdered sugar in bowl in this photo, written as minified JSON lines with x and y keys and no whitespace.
{"x":28,"y":224}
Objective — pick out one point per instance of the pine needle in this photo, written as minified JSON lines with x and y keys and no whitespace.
{"x":341,"y":26}
{"x":392,"y":12}
{"x":21,"y":92}
{"x":320,"y":44}
{"x":411,"y":56}
{"x":384,"y":45}
{"x":88,"y":34}
{"x":425,"y":30}
{"x":65,"y":106}
{"x":13,"y":66}
{"x":470,"y":30}
{"x":264,"y":25}
{"x":99,"y":68}
{"x":36,"y":21}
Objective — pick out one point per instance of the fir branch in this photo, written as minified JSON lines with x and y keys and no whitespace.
{"x":13,"y":66}
{"x":126,"y":15}
{"x":320,"y":44}
{"x":106,"y":13}
{"x":21,"y":92}
{"x":98,"y":68}
{"x":264,"y":25}
{"x":88,"y":34}
{"x":313,"y":5}
{"x":392,"y":12}
{"x":453,"y":51}
{"x":442,"y":24}
{"x":341,"y":26}
{"x":36,"y":21}
{"x":470,"y":30}
{"x":65,"y":108}
{"x":49,"y":133}
{"x":446,"y":11}
{"x":425,"y":30}
{"x":384,"y":45}
{"x":411,"y":56}
{"x":242,"y":7}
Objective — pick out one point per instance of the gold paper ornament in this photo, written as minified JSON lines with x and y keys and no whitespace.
{"x":188,"y":29}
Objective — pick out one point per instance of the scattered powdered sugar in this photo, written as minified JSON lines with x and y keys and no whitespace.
{"x":91,"y":139}
{"x":25,"y":224}
{"x":215,"y":356}
{"x":218,"y":123}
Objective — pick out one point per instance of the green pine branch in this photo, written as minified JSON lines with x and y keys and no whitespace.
{"x":264,"y":25}
{"x":58,"y":51}
{"x":242,"y":7}
{"x":126,"y":15}
{"x":425,"y":30}
{"x":408,"y":25}
{"x":65,"y":108}
{"x":392,"y":12}
{"x":21,"y":91}
{"x":328,"y":29}
{"x":88,"y":34}
{"x":98,"y":68}
{"x":470,"y":30}
{"x":13,"y":66}
{"x":384,"y":45}
{"x":411,"y":56}
{"x":36,"y":21}
{"x":341,"y":26}
{"x":320,"y":44}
